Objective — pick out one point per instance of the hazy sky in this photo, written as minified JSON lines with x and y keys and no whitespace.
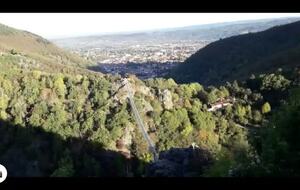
{"x":57,"y":25}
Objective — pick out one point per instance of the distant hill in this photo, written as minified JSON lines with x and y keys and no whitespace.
{"x":240,"y":56}
{"x":36,"y":47}
{"x":207,"y":32}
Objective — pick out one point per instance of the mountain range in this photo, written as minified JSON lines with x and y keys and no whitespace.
{"x":207,"y":32}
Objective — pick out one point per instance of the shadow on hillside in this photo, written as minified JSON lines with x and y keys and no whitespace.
{"x":32,"y":152}
{"x":181,"y":162}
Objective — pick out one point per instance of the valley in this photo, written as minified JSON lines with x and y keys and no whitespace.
{"x":216,"y":100}
{"x":141,"y":70}
{"x":144,"y":53}
{"x":129,"y":51}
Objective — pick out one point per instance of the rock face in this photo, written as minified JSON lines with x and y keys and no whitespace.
{"x":145,"y":90}
{"x":122,"y":92}
{"x":146,"y":107}
{"x":126,"y":86}
{"x":127,"y":136}
{"x":125,"y":141}
{"x":180,"y":162}
{"x":165,"y":97}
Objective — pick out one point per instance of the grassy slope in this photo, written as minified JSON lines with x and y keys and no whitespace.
{"x":37,"y":48}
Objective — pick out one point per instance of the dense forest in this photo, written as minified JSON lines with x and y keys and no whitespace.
{"x":70,"y":125}
{"x":74,"y":122}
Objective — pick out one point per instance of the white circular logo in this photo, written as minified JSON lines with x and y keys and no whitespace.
{"x":3,"y":173}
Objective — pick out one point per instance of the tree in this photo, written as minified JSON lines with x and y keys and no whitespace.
{"x":147,"y":157}
{"x":3,"y":102}
{"x":222,"y":165}
{"x":212,"y":96}
{"x":208,"y":140}
{"x":13,"y":52}
{"x":31,"y":89}
{"x":19,"y":110}
{"x":257,"y":117}
{"x":187,"y":130}
{"x":280,"y":140}
{"x":169,"y":120}
{"x":36,"y":74}
{"x":87,"y":127}
{"x":224,"y":92}
{"x":39,"y":112}
{"x":120,"y":119}
{"x":6,"y":86}
{"x":100,"y":98}
{"x":190,"y":90}
{"x":222,"y":130}
{"x":3,"y":115}
{"x":240,"y":111}
{"x":91,"y":167}
{"x":266,"y":108}
{"x":274,"y":81}
{"x":59,"y":86}
{"x":203,"y":120}
{"x":65,"y":167}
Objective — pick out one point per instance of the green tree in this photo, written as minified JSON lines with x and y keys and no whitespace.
{"x":31,"y":89}
{"x":187,"y":130}
{"x":280,"y":140}
{"x":36,"y":74}
{"x":203,"y":120}
{"x":257,"y":117}
{"x":3,"y":102}
{"x":274,"y":81}
{"x":59,"y":86}
{"x":6,"y":87}
{"x":19,"y":110}
{"x":39,"y":112}
{"x":169,"y":120}
{"x":213,"y":95}
{"x":13,"y":52}
{"x":65,"y":167}
{"x":240,"y":111}
{"x":266,"y":108}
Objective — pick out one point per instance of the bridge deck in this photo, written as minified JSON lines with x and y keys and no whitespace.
{"x":140,"y":124}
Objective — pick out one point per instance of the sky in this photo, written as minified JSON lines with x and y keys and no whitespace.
{"x":62,"y":25}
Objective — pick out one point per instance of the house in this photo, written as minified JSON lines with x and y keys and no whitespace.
{"x":220,"y":104}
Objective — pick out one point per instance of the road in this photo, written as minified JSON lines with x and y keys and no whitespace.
{"x":250,"y":127}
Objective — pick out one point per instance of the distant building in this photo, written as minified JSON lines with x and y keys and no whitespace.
{"x":220,"y":104}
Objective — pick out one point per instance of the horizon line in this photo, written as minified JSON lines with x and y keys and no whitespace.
{"x":160,"y":29}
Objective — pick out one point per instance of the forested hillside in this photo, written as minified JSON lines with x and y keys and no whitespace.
{"x":83,"y":121}
{"x":236,"y":58}
{"x":73,"y":122}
